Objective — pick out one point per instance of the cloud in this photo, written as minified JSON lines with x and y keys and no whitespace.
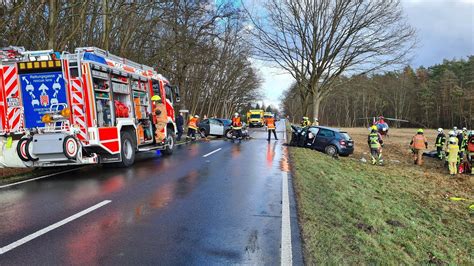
{"x":445,"y":29}
{"x":275,"y":81}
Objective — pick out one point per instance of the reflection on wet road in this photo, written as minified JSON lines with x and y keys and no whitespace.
{"x":182,"y":209}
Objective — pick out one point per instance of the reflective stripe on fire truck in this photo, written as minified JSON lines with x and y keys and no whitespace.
{"x":12,"y":95}
{"x":77,"y":104}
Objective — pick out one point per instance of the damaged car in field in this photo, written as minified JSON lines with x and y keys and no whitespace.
{"x":332,"y":141}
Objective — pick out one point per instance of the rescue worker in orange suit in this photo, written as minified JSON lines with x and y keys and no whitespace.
{"x":161,"y":118}
{"x":192,"y":127}
{"x":271,"y":127}
{"x":237,"y":127}
{"x":418,"y":143}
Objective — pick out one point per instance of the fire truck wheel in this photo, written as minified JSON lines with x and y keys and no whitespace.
{"x":70,"y":147}
{"x":24,"y":150}
{"x":21,"y":149}
{"x":170,"y":141}
{"x":128,"y":149}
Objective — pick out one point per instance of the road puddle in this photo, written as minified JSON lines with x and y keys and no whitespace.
{"x":284,"y":162}
{"x":270,"y":155}
{"x":235,"y":152}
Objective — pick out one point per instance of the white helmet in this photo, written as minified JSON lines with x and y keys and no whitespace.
{"x":440,"y":130}
{"x":455,"y":128}
{"x":196,"y":116}
{"x":451,"y":133}
{"x":236,"y":114}
{"x":464,"y":129}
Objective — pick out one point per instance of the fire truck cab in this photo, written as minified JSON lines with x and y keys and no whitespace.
{"x":86,"y":107}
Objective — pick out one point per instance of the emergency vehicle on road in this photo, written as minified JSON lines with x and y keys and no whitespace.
{"x":86,"y":107}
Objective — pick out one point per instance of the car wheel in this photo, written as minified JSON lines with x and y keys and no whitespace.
{"x":170,"y":140}
{"x":202,"y":131}
{"x":128,"y":149}
{"x":331,"y":150}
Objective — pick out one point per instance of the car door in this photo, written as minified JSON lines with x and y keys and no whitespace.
{"x":323,"y":139}
{"x":215,"y":127}
{"x":310,"y":138}
{"x":204,"y":126}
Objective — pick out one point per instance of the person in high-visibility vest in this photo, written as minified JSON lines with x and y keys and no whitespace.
{"x":375,"y":142}
{"x":418,"y":143}
{"x":271,"y":127}
{"x":440,"y":142}
{"x":192,"y":127}
{"x":453,"y":150}
{"x":305,"y":121}
{"x":451,"y":138}
{"x":161,"y":118}
{"x":237,"y":127}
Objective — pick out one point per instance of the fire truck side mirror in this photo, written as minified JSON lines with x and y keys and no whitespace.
{"x":176,"y":93}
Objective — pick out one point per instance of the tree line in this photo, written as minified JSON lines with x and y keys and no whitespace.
{"x":437,"y":96}
{"x":197,"y":45}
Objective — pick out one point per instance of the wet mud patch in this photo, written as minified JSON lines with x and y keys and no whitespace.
{"x":369,"y":229}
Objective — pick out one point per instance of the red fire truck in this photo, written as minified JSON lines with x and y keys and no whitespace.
{"x":86,"y":107}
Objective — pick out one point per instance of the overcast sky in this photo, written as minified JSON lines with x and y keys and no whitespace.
{"x":445,"y":30}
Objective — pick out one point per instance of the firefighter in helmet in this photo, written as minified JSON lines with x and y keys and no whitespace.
{"x":161,"y":119}
{"x":271,"y":127}
{"x":305,"y":121}
{"x":440,"y":142}
{"x":237,"y":127}
{"x":316,"y":122}
{"x":192,"y":127}
{"x":470,"y":150}
{"x":375,"y":142}
{"x":418,"y":144}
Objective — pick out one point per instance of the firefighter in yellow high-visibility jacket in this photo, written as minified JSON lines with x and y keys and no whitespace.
{"x":161,"y":118}
{"x":453,"y":150}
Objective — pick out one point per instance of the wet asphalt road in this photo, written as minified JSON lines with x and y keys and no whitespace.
{"x":184,"y":209}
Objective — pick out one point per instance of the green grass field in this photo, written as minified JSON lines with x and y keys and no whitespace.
{"x":354,"y":213}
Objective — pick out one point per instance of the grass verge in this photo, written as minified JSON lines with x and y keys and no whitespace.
{"x":354,"y":213}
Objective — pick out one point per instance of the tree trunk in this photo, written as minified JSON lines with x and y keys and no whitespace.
{"x":316,"y":104}
{"x":52,"y":18}
{"x":105,"y":26}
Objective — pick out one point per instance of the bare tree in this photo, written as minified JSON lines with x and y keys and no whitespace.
{"x":318,"y":40}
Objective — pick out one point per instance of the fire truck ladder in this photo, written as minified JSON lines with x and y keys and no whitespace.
{"x":76,"y":92}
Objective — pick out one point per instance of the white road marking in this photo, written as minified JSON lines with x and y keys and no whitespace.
{"x":43,"y":231}
{"x":286,"y":249}
{"x":212,"y":152}
{"x":41,"y":177}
